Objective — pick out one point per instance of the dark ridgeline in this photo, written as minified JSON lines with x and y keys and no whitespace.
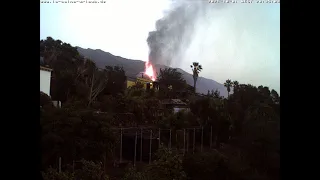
{"x":134,"y":67}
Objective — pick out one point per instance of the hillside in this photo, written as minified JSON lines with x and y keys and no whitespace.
{"x":133,"y":67}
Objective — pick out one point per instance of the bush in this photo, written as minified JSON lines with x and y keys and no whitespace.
{"x":53,"y":174}
{"x":167,"y":167}
{"x":206,"y":166}
{"x":179,"y":120}
{"x":74,"y":135}
{"x":133,"y":174}
{"x":91,"y":171}
{"x":45,"y":100}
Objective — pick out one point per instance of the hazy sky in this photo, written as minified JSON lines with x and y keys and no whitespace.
{"x":236,"y":41}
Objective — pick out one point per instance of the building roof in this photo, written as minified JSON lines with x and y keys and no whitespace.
{"x":131,"y":78}
{"x":144,"y":80}
{"x":45,"y":68}
{"x":139,"y":79}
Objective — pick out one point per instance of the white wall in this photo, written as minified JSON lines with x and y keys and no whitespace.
{"x":45,"y":80}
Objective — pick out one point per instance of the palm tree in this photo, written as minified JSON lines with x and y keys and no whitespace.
{"x":228,"y":84}
{"x":235,"y":86}
{"x":196,"y":69}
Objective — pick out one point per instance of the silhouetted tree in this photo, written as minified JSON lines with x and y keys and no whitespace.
{"x":275,"y":96}
{"x":196,"y":69}
{"x":228,"y":84}
{"x":235,"y":86}
{"x":116,"y":80}
{"x":170,"y":81}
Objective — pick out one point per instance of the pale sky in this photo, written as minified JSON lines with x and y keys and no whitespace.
{"x":237,"y":41}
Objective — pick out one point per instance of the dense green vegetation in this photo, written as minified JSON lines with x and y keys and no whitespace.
{"x":246,"y":125}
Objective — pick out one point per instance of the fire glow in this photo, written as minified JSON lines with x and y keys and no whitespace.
{"x":149,"y":70}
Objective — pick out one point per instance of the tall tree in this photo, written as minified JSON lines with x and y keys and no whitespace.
{"x":170,"y":80}
{"x":116,"y":80}
{"x":92,"y":79}
{"x":97,"y":84}
{"x":196,"y":69}
{"x":64,"y":60}
{"x":214,"y":94}
{"x":275,"y":96}
{"x":228,"y":84}
{"x":235,"y":86}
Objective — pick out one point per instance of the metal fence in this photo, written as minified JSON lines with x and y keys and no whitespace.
{"x":140,"y":144}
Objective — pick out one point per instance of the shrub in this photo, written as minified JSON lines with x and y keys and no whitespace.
{"x":133,"y":174}
{"x":206,"y":166}
{"x":91,"y":171}
{"x":53,"y":174}
{"x":167,"y":167}
{"x":45,"y":100}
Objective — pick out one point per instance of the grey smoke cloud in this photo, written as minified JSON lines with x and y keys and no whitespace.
{"x":172,"y":33}
{"x":236,"y":41}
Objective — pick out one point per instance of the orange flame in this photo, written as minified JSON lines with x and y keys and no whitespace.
{"x":149,"y":71}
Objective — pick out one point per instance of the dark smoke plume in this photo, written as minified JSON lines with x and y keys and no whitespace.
{"x":231,"y":40}
{"x":173,"y":32}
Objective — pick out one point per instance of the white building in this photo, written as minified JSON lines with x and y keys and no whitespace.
{"x":45,"y":79}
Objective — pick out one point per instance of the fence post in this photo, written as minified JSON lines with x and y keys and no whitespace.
{"x":120,"y":145}
{"x":187,"y":140}
{"x":229,"y":132}
{"x":159,"y":138}
{"x":194,"y":139}
{"x":176,"y":141}
{"x":170,"y":139}
{"x":211,"y":137}
{"x":104,"y":162}
{"x":184,"y":141}
{"x":201,"y":138}
{"x":73,"y":166}
{"x":150,"y":150}
{"x":59,"y":164}
{"x":141,"y":141}
{"x":135,"y":149}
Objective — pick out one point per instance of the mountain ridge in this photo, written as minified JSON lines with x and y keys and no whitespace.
{"x":134,"y":67}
